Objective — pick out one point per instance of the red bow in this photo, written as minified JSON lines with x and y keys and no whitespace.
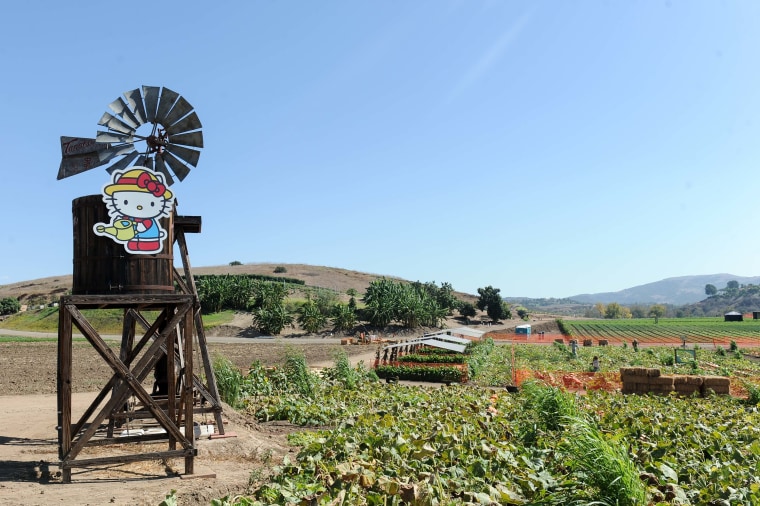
{"x":144,"y":181}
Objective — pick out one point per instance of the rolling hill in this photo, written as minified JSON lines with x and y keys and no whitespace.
{"x":677,"y":291}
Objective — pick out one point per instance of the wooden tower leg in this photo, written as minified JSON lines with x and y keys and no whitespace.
{"x":210,"y":391}
{"x":187,"y":393}
{"x":64,"y":388}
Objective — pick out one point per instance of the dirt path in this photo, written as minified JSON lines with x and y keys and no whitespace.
{"x":29,"y":473}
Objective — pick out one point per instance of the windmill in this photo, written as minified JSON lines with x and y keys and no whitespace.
{"x":154,"y":128}
{"x":150,"y":126}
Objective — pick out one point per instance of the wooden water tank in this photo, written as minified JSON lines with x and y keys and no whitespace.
{"x":104,"y":267}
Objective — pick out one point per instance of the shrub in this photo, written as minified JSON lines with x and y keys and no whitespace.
{"x":753,"y":391}
{"x":9,"y":305}
{"x":280,"y":269}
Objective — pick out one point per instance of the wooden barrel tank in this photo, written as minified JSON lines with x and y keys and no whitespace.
{"x":104,"y":267}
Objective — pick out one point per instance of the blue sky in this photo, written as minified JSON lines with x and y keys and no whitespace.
{"x":546,"y":148}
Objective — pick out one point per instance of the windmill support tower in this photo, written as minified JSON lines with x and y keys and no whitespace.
{"x":152,"y":295}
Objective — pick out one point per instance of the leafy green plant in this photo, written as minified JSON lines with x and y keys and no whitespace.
{"x":477,"y":355}
{"x":229,"y":381}
{"x":272,"y":319}
{"x":604,"y":465}
{"x":753,"y":391}
{"x":420,"y":373}
{"x":297,"y":372}
{"x":429,"y":358}
{"x":552,"y":406}
{"x":310,"y":317}
{"x":343,"y":317}
{"x":342,"y":371}
{"x":170,"y":499}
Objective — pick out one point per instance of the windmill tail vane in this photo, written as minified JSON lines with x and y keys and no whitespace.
{"x":169,"y":148}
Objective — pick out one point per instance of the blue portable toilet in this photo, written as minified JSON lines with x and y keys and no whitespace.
{"x":522,"y":329}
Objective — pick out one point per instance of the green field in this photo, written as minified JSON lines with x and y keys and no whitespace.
{"x":667,"y":330}
{"x":368,"y":443}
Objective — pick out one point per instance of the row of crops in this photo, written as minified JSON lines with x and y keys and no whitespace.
{"x":437,"y":365}
{"x":694,"y":330}
{"x":366,"y":442}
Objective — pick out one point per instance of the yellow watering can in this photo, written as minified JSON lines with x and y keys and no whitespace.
{"x":122,"y":230}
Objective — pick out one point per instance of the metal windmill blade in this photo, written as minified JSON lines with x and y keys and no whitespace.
{"x":171,"y":146}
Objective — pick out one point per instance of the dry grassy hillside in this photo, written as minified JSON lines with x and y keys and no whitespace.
{"x":340,"y":280}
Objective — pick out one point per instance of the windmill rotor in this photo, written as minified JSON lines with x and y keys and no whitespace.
{"x":171,"y":146}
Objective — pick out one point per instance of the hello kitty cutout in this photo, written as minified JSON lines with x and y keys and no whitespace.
{"x":136,"y":200}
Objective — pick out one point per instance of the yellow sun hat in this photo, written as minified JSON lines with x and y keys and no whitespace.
{"x":139,"y":180}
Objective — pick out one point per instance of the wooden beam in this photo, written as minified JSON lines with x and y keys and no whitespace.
{"x":64,"y":387}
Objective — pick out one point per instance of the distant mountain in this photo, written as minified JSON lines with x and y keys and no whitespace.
{"x":677,"y":291}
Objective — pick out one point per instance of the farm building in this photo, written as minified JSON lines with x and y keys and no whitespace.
{"x":756,"y":315}
{"x":733,"y":316}
{"x":522,"y":329}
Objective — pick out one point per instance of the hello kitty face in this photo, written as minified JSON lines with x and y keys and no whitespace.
{"x":138,"y":204}
{"x":138,"y":193}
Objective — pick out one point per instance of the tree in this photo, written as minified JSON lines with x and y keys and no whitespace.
{"x":601,"y":309}
{"x":710,"y":290}
{"x":613,"y":311}
{"x":9,"y":305}
{"x":523,"y":313}
{"x":410,"y":304}
{"x":271,"y":320}
{"x":325,"y":300}
{"x":445,"y":297}
{"x":657,"y":311}
{"x":343,"y":318}
{"x":352,"y":298}
{"x":381,"y":299}
{"x":506,"y":311}
{"x":269,"y":313}
{"x":467,"y":310}
{"x":490,"y":301}
{"x":638,"y":311}
{"x":310,"y":317}
{"x":732,"y":285}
